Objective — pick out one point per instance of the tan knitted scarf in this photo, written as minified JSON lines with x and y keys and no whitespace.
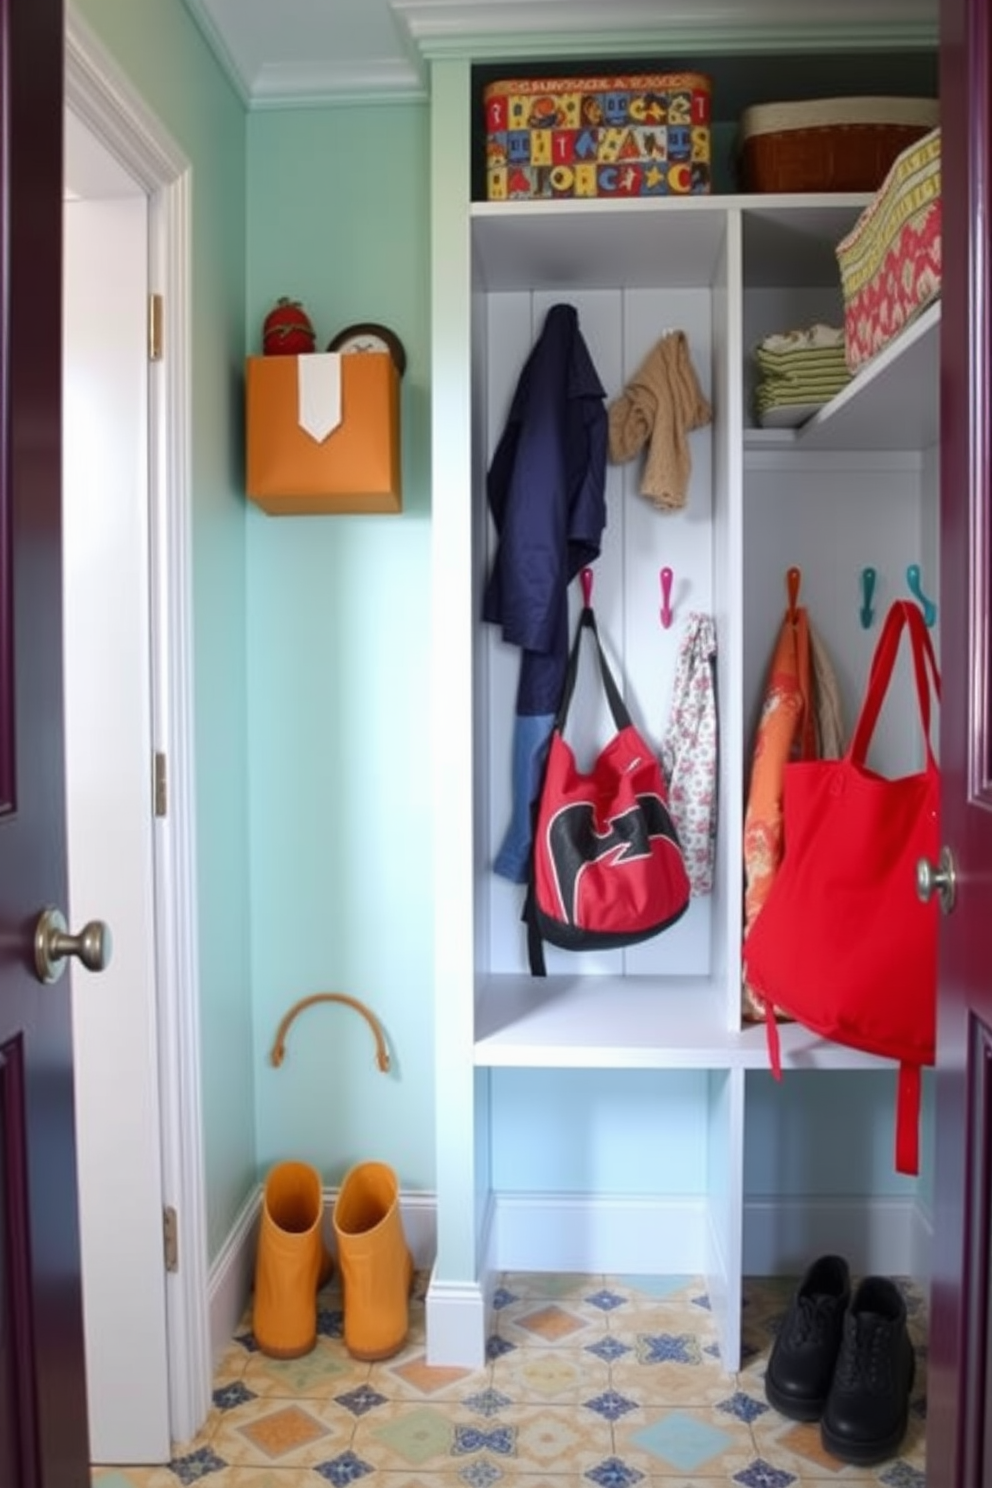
{"x":658,"y":407}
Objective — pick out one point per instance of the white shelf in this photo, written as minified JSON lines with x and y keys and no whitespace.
{"x":600,"y":1022}
{"x":892,"y":403}
{"x":636,"y":242}
{"x":598,"y":244}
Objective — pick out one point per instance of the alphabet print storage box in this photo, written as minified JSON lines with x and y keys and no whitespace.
{"x":598,"y":136}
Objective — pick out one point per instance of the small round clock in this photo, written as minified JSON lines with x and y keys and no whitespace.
{"x":368,"y":336}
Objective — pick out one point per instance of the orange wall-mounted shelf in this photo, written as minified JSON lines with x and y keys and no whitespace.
{"x":357,"y":468}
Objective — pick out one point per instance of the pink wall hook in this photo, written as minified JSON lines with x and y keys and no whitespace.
{"x":586,"y":579}
{"x":666,"y":597}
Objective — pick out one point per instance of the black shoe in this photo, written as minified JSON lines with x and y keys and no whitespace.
{"x":867,"y":1410}
{"x":797,"y":1380}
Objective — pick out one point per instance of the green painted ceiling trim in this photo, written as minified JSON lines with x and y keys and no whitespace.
{"x":743,"y":40}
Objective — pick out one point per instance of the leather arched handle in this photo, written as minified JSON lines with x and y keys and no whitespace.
{"x":278,"y":1053}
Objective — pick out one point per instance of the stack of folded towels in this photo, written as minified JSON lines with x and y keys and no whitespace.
{"x":800,"y":371}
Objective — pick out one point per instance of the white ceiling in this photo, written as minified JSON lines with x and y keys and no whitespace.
{"x":296,"y":52}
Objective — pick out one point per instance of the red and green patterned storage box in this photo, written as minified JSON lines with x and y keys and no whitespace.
{"x":890,"y":263}
{"x":598,"y":137}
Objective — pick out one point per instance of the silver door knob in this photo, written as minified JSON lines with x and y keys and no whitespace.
{"x":939,"y":880}
{"x":53,"y":943}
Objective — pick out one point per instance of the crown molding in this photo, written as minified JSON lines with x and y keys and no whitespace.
{"x":217,"y":42}
{"x":514,"y":30}
{"x":548,"y":28}
{"x":312,"y":84}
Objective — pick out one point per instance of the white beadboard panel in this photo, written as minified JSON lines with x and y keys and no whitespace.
{"x":619,"y":328}
{"x":832,"y":523}
{"x":681,"y":539}
{"x":619,"y":1131}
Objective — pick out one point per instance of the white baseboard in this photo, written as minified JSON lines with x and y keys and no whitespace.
{"x":589,"y":1233}
{"x":232,"y":1272}
{"x":881,"y":1236}
{"x":586,"y":1233}
{"x":456,"y":1323}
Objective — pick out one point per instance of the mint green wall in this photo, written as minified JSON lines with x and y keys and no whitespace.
{"x":338,"y":637}
{"x":157,"y":44}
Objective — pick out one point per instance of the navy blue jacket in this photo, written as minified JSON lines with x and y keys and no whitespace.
{"x":546,"y":492}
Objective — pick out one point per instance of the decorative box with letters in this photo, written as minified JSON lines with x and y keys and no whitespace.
{"x":598,"y":136}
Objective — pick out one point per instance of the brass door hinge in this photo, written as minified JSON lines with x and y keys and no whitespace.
{"x":154,"y":327}
{"x":161,"y":790}
{"x":170,"y":1234}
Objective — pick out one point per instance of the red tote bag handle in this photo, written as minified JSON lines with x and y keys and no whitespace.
{"x":903,"y":613}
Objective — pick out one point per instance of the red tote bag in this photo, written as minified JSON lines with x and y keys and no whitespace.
{"x":606,"y":866}
{"x":843,"y":943}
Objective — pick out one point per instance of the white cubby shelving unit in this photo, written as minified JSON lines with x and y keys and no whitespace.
{"x":856,"y":486}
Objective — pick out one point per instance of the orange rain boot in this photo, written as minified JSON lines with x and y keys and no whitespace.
{"x":291,"y":1262}
{"x":376,"y":1266}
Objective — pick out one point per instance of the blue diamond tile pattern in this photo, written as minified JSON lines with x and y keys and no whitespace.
{"x":902,"y":1475}
{"x":744,"y":1407}
{"x":481,"y":1474}
{"x":657,"y":1286}
{"x":361,"y":1401}
{"x":610,"y":1405}
{"x":330,"y":1322}
{"x":228,"y":1396}
{"x":487,"y":1402}
{"x":614,"y":1474}
{"x":761,"y":1474}
{"x":606,"y":1300}
{"x":608,"y":1349}
{"x":668,"y":1348}
{"x":340,"y":1471}
{"x":499,"y":1439}
{"x":496,"y":1347}
{"x":482,"y":1426}
{"x":197,"y":1466}
{"x":683,"y":1441}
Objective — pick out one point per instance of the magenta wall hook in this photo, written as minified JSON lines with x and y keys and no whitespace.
{"x":666,"y":597}
{"x":586,"y":577}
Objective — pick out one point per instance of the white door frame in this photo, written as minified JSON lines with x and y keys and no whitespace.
{"x":103,"y":98}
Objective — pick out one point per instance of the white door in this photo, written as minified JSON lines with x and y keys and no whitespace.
{"x":106,"y":625}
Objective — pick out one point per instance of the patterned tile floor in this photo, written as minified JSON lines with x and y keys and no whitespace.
{"x":590,"y":1382}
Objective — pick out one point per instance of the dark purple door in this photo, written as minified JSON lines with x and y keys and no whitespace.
{"x":43,"y":1433}
{"x":959,"y":1415}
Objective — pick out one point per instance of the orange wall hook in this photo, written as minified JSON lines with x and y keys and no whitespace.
{"x":793,"y":583}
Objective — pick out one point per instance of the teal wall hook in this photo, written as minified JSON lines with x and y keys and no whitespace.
{"x":915,"y":583}
{"x":868,"y":577}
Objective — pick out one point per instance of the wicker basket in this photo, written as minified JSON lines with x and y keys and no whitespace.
{"x":829,"y":144}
